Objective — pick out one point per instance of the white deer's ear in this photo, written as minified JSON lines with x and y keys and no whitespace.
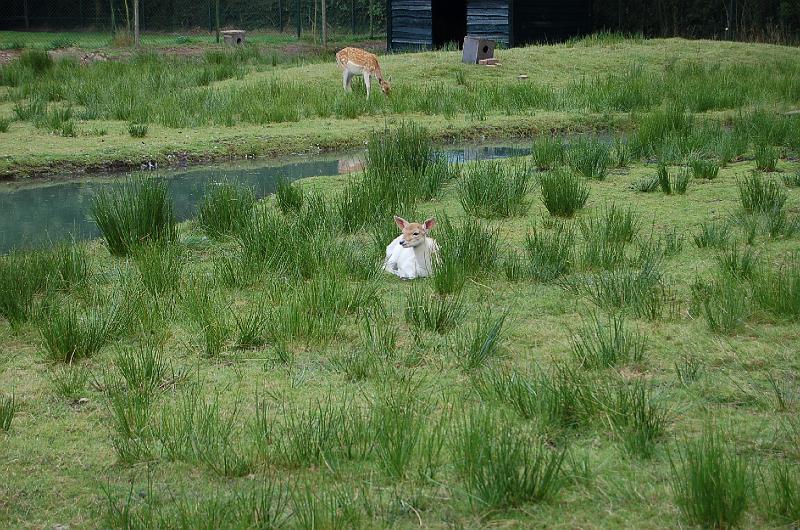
{"x":430,"y":223}
{"x":400,"y":222}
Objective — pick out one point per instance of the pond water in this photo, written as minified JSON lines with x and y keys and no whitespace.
{"x":38,"y":213}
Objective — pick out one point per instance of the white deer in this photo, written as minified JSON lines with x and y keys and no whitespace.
{"x":411,"y":254}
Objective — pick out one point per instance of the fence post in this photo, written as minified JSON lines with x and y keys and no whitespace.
{"x":216,"y":18}
{"x":299,"y":23}
{"x":136,"y":36}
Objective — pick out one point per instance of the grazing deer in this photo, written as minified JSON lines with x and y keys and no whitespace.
{"x":410,"y":255}
{"x":355,"y":61}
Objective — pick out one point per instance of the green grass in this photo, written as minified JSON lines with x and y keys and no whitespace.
{"x":8,"y":409}
{"x":133,"y":213}
{"x":491,"y":190}
{"x":280,"y":382}
{"x":225,"y":208}
{"x":712,"y":484}
{"x":662,"y":82}
{"x":502,"y":467}
{"x":563,"y":192}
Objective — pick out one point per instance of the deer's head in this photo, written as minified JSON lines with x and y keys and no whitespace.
{"x":413,"y":233}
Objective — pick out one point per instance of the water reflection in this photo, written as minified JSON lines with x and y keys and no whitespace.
{"x":33,"y":215}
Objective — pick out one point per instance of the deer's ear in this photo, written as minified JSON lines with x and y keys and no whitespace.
{"x":400,"y":222}
{"x":430,"y":223}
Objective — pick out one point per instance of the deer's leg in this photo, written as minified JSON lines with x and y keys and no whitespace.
{"x":367,"y":82}
{"x":347,"y":77}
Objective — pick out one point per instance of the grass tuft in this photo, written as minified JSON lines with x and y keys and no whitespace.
{"x":547,"y":152}
{"x":225,"y":208}
{"x":563,"y":192}
{"x":589,"y":157}
{"x":481,"y":343}
{"x":8,"y":409}
{"x":288,"y":197}
{"x":760,"y":195}
{"x":607,"y":344}
{"x":711,"y":483}
{"x":133,"y":213}
{"x":495,"y":189}
{"x":433,"y":312}
{"x":503,"y":467}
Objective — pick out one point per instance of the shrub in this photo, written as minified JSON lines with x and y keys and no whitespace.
{"x":563,"y":193}
{"x":133,"y":213}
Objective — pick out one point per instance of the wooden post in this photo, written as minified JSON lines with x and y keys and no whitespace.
{"x":136,"y":36}
{"x":324,"y":26}
{"x":216,"y":18}
{"x":297,"y":16}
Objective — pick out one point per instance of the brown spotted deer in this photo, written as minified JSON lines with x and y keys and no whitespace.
{"x":355,"y":61}
{"x":411,"y":254}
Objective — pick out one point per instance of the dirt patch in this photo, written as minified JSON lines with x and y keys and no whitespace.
{"x":6,"y":56}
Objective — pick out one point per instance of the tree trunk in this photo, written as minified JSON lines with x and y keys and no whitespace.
{"x":136,"y":37}
{"x":216,"y":19}
{"x":299,"y":21}
{"x":127,"y":18}
{"x":280,"y":16}
{"x":25,"y":14}
{"x":113,"y":17}
{"x":324,"y":26}
{"x":371,"y":22}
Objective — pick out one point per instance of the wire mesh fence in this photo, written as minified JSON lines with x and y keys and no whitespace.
{"x":100,"y":23}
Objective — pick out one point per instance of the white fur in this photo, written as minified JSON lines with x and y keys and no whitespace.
{"x":410,"y":263}
{"x":351,"y":69}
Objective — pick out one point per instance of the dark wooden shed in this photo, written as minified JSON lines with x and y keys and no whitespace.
{"x":421,"y":24}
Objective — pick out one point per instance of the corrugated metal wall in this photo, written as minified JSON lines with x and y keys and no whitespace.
{"x":410,"y":24}
{"x":489,"y":19}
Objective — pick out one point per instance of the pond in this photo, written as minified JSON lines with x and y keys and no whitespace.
{"x":34,"y":214}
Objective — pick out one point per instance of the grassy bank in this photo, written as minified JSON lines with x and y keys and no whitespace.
{"x":610,"y":344}
{"x":249,"y":103}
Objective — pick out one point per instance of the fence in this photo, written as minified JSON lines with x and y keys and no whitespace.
{"x":94,"y":23}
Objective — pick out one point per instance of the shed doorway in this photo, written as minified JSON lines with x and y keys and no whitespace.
{"x":449,"y":21}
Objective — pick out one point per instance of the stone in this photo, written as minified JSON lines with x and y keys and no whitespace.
{"x":233,"y":37}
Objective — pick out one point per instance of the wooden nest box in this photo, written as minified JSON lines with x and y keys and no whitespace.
{"x":233,"y":37}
